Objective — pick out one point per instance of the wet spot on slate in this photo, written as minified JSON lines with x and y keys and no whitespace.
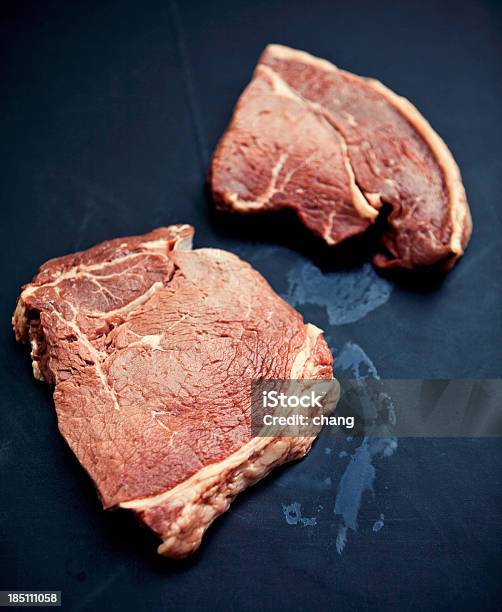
{"x":360,"y":473}
{"x":377,"y":525}
{"x":347,"y":295}
{"x":293,"y":515}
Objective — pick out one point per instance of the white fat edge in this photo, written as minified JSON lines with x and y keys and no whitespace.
{"x":286,"y":53}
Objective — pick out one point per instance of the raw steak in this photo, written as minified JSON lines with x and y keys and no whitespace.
{"x":334,"y":147}
{"x":151,"y":348}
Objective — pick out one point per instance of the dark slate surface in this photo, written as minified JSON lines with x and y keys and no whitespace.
{"x":108,"y":116}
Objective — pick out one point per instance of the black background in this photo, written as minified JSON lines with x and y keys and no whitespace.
{"x":109,"y":114}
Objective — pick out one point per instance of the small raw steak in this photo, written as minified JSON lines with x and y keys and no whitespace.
{"x":151,"y":349}
{"x":334,"y":147}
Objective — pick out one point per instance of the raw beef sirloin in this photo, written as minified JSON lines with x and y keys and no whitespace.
{"x":151,"y":348}
{"x":336,"y":147}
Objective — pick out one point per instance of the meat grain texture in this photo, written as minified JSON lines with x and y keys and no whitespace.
{"x":335,"y":147}
{"x":151,"y":348}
